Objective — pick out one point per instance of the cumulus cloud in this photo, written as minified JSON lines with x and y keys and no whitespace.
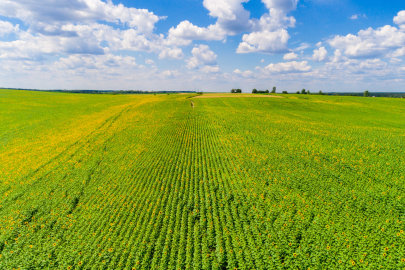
{"x":274,"y":20}
{"x":169,"y":74}
{"x":75,"y":27}
{"x":400,"y":18}
{"x":7,"y":28}
{"x":149,"y":61}
{"x":265,"y":42}
{"x":245,"y":74}
{"x":370,"y":43}
{"x":96,"y":62}
{"x":35,"y":47}
{"x":202,"y":56}
{"x":395,"y":61}
{"x":290,"y":56}
{"x":233,"y":19}
{"x":353,"y":66}
{"x":338,"y":57}
{"x":289,"y":67}
{"x":285,"y":5}
{"x":188,"y":31}
{"x":320,"y":55}
{"x":211,"y":69}
{"x":171,"y":53}
{"x":398,"y":53}
{"x":225,"y":9}
{"x":76,"y":11}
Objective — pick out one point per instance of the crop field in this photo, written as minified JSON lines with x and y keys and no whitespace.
{"x":152,"y":182}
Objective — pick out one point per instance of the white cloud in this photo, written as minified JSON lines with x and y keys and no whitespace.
{"x":187,"y":31}
{"x":171,"y":53}
{"x":357,"y":16}
{"x":211,"y":69}
{"x":400,"y":18}
{"x":7,"y":28}
{"x":96,"y":62}
{"x":354,"y":17}
{"x":338,"y":57}
{"x":35,"y":47}
{"x":201,"y":56}
{"x":395,"y":61}
{"x":289,"y":67}
{"x":76,"y":11}
{"x":262,"y":61}
{"x":319,"y":44}
{"x":320,"y":55}
{"x":264,"y":42}
{"x":372,"y":64}
{"x":233,"y":19}
{"x":245,"y":74}
{"x":398,"y":53}
{"x":87,"y":39}
{"x":285,"y":5}
{"x":302,"y":46}
{"x":290,"y":56}
{"x":169,"y":74}
{"x":274,"y":20}
{"x":225,"y":9}
{"x":354,"y":66}
{"x":149,"y":61}
{"x":370,"y":42}
{"x":73,"y":27}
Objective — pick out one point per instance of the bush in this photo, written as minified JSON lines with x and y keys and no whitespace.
{"x":285,"y":92}
{"x":236,"y":91}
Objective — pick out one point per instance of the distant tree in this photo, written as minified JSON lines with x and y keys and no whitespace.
{"x":255,"y":91}
{"x":320,"y":92}
{"x":233,"y":91}
{"x":303,"y":91}
{"x":285,"y":92}
{"x":308,"y":92}
{"x":274,"y":90}
{"x":298,"y":92}
{"x":238,"y":90}
{"x":366,"y":93}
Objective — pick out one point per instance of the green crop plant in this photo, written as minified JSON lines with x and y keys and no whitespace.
{"x":150,"y":182}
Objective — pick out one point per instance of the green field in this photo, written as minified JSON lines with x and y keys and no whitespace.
{"x":149,"y":182}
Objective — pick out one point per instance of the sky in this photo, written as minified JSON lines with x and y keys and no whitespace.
{"x":204,"y":45}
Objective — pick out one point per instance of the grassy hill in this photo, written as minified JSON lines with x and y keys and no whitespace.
{"x":151,"y":182}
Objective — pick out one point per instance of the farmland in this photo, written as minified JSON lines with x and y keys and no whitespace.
{"x":151,"y":182}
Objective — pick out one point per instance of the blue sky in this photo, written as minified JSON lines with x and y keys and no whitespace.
{"x":211,"y":45}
